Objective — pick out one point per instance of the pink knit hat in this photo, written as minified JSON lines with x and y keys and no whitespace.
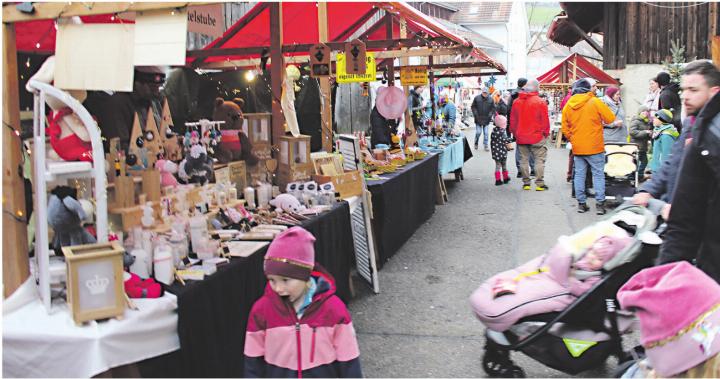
{"x":611,"y":91}
{"x":291,"y":254}
{"x":678,"y":307}
{"x":500,"y":121}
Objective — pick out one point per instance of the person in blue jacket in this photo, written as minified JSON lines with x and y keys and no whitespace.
{"x":664,"y":136}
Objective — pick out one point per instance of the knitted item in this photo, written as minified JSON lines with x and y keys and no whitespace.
{"x":291,"y":254}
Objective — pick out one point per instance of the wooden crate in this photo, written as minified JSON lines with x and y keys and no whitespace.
{"x":257,"y":127}
{"x":294,"y":163}
{"x":95,"y":281}
{"x":348,"y":184}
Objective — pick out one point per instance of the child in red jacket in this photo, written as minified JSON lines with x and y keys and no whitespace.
{"x":299,"y":327}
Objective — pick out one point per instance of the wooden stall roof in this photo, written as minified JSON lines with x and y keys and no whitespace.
{"x":572,"y":68}
{"x":248,"y":38}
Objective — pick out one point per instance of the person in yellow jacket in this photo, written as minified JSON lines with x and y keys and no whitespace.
{"x":582,"y":124}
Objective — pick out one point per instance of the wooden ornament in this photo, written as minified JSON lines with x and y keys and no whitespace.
{"x":134,"y":135}
{"x":170,"y":142}
{"x":153,"y":145}
{"x":320,"y":56}
{"x":151,"y":184}
{"x":355,"y":55}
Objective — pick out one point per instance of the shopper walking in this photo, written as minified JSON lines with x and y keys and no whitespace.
{"x":582,"y":124}
{"x":640,"y":134}
{"x":513,"y":96}
{"x":483,"y":109}
{"x":615,"y":131}
{"x":664,"y":135}
{"x":669,"y":97}
{"x":498,"y":146}
{"x":531,"y":126}
{"x":299,"y":327}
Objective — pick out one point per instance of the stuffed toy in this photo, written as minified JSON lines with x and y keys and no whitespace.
{"x":287,"y":203}
{"x":196,"y":167}
{"x":69,"y":137}
{"x":234,"y":144}
{"x":65,"y":215}
{"x":137,"y":288}
{"x":167,"y":168}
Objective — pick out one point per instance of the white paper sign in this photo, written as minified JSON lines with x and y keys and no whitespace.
{"x":95,"y":57}
{"x":160,"y":38}
{"x":206,"y":19}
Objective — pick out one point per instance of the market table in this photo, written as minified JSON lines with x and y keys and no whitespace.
{"x":401,"y":202}
{"x":213,"y":313}
{"x":38,"y":344}
{"x":452,"y":157}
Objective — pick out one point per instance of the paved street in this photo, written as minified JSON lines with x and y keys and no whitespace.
{"x":421,"y":325}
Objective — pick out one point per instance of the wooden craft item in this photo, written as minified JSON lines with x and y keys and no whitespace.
{"x":153,"y":147}
{"x":124,"y":191}
{"x":134,"y":135}
{"x":171,"y":144}
{"x":222,"y":175}
{"x":295,"y":163}
{"x":355,"y":55}
{"x":238,"y":175}
{"x":328,"y":169}
{"x":320,"y":55}
{"x":95,"y":281}
{"x":151,"y":184}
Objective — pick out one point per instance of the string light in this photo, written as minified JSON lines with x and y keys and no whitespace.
{"x":27,"y":63}
{"x":37,"y":45}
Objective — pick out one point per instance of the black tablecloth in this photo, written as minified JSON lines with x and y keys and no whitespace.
{"x":213,"y":313}
{"x":401,"y":204}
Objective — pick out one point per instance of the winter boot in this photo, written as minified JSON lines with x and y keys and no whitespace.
{"x":600,"y":208}
{"x":497,"y":178}
{"x":506,"y":177}
{"x":582,"y":208}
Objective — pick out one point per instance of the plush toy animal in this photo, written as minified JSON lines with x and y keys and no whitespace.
{"x":196,"y":167}
{"x":234,"y":144}
{"x":167,"y":170}
{"x":287,"y":203}
{"x":65,"y":215}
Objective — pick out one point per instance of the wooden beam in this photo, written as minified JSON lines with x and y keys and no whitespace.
{"x":277,"y":71}
{"x":325,"y":91}
{"x":410,"y":134}
{"x":44,"y":11}
{"x":716,"y":50}
{"x":342,"y":36}
{"x":465,"y":75}
{"x":235,"y":29}
{"x":15,"y":244}
{"x":391,"y":63}
{"x":585,"y":36}
{"x":431,"y":78}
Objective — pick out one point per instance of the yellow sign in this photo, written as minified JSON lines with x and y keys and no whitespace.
{"x":370,"y":71}
{"x":414,"y":75}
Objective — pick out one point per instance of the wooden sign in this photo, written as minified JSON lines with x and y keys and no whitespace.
{"x":320,"y":55}
{"x":344,"y":77}
{"x":355,"y":52}
{"x":414,"y":75}
{"x":238,"y":174}
{"x":222,"y":175}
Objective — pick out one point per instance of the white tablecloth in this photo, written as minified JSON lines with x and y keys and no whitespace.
{"x":36,"y":344}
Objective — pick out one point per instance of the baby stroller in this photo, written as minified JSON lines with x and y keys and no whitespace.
{"x":583,"y":334}
{"x":621,"y":171}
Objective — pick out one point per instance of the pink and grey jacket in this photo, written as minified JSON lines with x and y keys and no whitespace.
{"x":321,"y":344}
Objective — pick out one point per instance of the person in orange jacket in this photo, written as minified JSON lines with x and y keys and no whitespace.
{"x":582,"y":124}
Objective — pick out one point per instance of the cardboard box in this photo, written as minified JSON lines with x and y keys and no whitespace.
{"x":348,"y":184}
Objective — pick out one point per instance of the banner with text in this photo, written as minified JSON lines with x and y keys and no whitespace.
{"x":370,"y":70}
{"x":414,"y":75}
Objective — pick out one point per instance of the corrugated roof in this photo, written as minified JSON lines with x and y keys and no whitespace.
{"x":482,"y":12}
{"x":477,"y":39}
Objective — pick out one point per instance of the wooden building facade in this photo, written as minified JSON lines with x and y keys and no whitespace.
{"x":641,"y":32}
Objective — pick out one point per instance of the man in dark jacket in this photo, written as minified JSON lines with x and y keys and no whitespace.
{"x":483,"y":109}
{"x":694,"y":219}
{"x":669,"y":98}
{"x":513,"y":96}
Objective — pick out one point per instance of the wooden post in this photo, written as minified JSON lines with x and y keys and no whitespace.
{"x":431,"y":77}
{"x":391,"y":61}
{"x":716,"y":51}
{"x":325,"y":92}
{"x":410,"y":133}
{"x":15,"y":244}
{"x":277,"y":72}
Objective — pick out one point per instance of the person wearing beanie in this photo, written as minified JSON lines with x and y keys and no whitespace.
{"x":299,"y":327}
{"x":664,"y":135}
{"x":615,"y":131}
{"x":498,"y":148}
{"x":640,"y":134}
{"x":583,"y":118}
{"x":669,"y":97}
{"x":678,"y":307}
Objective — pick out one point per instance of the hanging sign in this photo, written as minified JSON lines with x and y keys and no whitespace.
{"x":207,"y":19}
{"x":414,"y":75}
{"x":320,"y":55}
{"x":370,"y":71}
{"x":355,"y":52}
{"x":161,"y":38}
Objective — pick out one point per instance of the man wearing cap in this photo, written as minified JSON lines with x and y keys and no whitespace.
{"x":582,"y":124}
{"x":669,"y":98}
{"x":483,"y":109}
{"x":531,"y":127}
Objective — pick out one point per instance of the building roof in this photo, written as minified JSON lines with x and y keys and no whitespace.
{"x":572,"y":68}
{"x":542,"y":45}
{"x":482,"y":12}
{"x":477,"y":39}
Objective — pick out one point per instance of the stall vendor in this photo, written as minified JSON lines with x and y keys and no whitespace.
{"x":382,"y":129}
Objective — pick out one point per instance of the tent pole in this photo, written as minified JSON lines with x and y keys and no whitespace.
{"x":391,"y":62}
{"x":277,"y":71}
{"x":15,"y":244}
{"x":432,"y":85}
{"x":326,"y":111}
{"x":410,"y":133}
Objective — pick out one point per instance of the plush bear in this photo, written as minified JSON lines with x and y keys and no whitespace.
{"x":167,"y":169}
{"x":234,"y":144}
{"x":287,"y":203}
{"x":65,"y":215}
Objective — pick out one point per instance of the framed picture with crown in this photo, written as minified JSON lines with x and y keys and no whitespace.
{"x":95,"y":281}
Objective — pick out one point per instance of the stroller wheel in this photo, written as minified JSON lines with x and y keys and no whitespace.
{"x":498,"y":365}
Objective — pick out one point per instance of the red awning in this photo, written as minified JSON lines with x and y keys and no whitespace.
{"x":584,"y":69}
{"x":31,"y":33}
